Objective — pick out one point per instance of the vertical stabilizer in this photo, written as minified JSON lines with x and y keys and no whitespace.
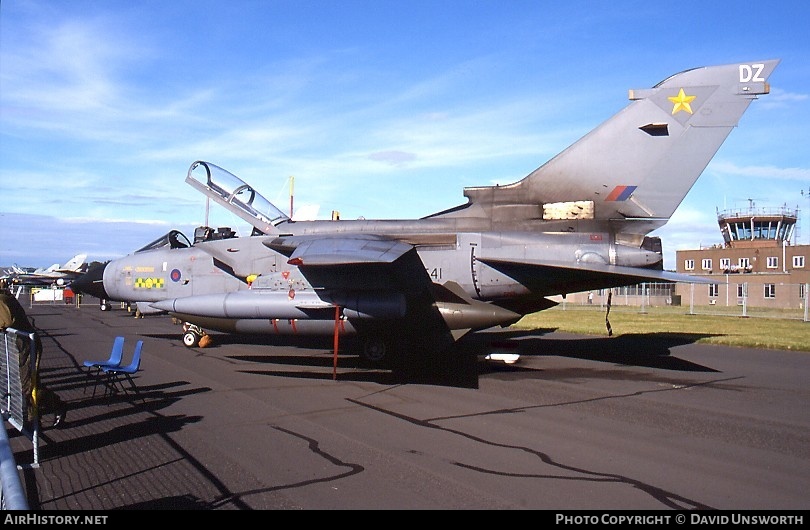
{"x":75,"y":264}
{"x":634,"y":169}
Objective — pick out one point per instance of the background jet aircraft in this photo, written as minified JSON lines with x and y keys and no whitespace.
{"x":63,"y":275}
{"x":410,"y":288}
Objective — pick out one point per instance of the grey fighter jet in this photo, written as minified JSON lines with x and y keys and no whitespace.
{"x":55,"y":274}
{"x":412,"y":288}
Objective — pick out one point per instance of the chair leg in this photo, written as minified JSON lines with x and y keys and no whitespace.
{"x":135,"y":388}
{"x":113,"y":382}
{"x":98,"y":376}
{"x":108,"y":380}
{"x":88,"y":375}
{"x":119,"y":380}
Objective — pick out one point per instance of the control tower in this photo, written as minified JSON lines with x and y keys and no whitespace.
{"x":757,"y":227}
{"x":760,"y":263}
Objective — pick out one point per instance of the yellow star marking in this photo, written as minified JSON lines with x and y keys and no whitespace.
{"x":682,"y":102}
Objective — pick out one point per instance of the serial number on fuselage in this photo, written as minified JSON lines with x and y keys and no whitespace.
{"x":435,"y":273}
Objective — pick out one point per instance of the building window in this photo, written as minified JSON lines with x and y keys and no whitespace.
{"x":772,"y":262}
{"x":706,"y":265}
{"x":725,"y":264}
{"x":798,"y":262}
{"x":713,"y":289}
{"x":770,"y":290}
{"x":740,"y":290}
{"x":744,"y":263}
{"x":801,"y":291}
{"x":689,"y":264}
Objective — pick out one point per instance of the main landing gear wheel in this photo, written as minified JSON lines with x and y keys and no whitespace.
{"x":375,"y":350}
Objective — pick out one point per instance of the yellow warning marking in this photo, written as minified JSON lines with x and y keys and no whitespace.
{"x":149,"y":283}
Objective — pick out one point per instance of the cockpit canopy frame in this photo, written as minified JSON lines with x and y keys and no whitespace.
{"x":236,"y":196}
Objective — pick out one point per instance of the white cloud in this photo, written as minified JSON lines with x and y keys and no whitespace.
{"x":768,"y":172}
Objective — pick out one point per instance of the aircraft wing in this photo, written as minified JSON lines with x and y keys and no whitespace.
{"x":356,"y":262}
{"x":341,"y":266}
{"x":548,"y":277}
{"x":342,"y":250}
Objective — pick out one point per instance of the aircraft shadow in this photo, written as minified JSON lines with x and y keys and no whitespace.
{"x":651,"y":350}
{"x":463,"y":367}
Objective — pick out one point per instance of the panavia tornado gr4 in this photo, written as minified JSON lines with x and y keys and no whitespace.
{"x":414,"y":287}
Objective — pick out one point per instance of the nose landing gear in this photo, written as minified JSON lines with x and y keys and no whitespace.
{"x":192,"y":334}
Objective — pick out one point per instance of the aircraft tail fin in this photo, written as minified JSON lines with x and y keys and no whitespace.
{"x":631,"y":172}
{"x":75,"y":264}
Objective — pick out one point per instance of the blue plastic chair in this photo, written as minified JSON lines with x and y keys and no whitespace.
{"x":117,"y":373}
{"x":116,"y":356}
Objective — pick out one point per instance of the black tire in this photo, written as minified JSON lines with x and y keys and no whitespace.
{"x":104,"y":305}
{"x":375,"y":349}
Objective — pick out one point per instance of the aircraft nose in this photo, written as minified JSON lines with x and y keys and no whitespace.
{"x":91,"y":282}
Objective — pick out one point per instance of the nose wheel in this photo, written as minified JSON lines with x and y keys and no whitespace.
{"x":192,"y":335}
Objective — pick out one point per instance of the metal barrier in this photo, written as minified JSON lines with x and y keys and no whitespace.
{"x":14,"y":407}
{"x":12,"y":495}
{"x":783,"y":300}
{"x":760,"y":299}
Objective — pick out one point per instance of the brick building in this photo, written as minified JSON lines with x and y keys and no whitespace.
{"x":757,"y":265}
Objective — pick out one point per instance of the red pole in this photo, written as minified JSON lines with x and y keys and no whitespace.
{"x":337,"y":330}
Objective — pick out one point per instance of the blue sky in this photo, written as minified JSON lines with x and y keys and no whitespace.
{"x":380,"y":109}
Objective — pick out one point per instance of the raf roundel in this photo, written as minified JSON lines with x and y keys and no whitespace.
{"x":175,"y":275}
